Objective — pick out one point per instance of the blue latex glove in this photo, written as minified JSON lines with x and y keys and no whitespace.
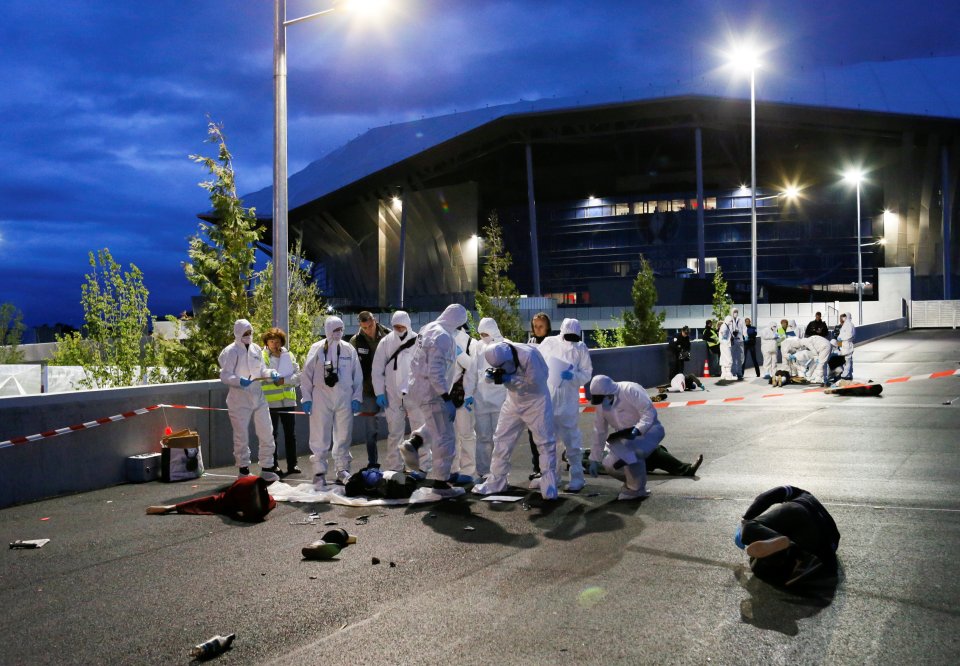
{"x":738,"y":538}
{"x":634,"y":433}
{"x":382,"y":400}
{"x":449,"y":409}
{"x":507,"y":377}
{"x":459,"y":350}
{"x":468,"y":403}
{"x":355,"y":406}
{"x":245,"y":382}
{"x":275,"y":376}
{"x":566,"y":374}
{"x":792,"y":357}
{"x":594,"y":468}
{"x":307,"y":407}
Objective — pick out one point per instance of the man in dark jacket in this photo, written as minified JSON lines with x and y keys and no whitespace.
{"x":679,"y":346}
{"x":817,"y":327}
{"x":712,"y":339}
{"x":750,"y":345}
{"x":365,"y":342}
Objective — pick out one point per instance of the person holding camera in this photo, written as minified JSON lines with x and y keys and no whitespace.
{"x":522,"y":370}
{"x":679,"y":346}
{"x":331,"y":384}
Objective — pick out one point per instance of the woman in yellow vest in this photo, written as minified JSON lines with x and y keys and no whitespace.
{"x":282,"y":398}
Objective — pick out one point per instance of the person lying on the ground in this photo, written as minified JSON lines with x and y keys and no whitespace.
{"x":371,"y":482}
{"x":246,"y":499}
{"x":661,"y":458}
{"x":681,"y":383}
{"x":793,"y":540}
{"x":854,"y":388}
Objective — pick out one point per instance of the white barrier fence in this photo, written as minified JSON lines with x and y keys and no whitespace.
{"x":934,"y":314}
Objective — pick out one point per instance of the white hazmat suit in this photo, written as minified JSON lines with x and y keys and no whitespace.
{"x":241,"y":362}
{"x":432,"y":375}
{"x":768,"y":348}
{"x":528,"y":405}
{"x":725,"y":332}
{"x":817,"y":369}
{"x":390,"y":374}
{"x":848,"y":332}
{"x":465,"y":461}
{"x":489,"y":396}
{"x":331,"y":407}
{"x":570,"y":367}
{"x":625,"y":408}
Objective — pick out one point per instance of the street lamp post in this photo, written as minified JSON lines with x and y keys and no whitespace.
{"x":856,"y":177}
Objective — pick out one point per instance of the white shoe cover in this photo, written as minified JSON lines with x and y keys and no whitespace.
{"x":628,"y":494}
{"x":421,"y":495}
{"x":492,"y":485}
{"x":575,"y":485}
{"x":534,"y":483}
{"x":548,"y":485}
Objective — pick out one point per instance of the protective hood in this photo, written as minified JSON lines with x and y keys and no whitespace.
{"x":498,"y":354}
{"x":735,"y":313}
{"x":330,"y":325}
{"x":489,"y":326}
{"x":400,"y":318}
{"x":240,"y":327}
{"x":570,"y":326}
{"x":453,"y":317}
{"x":728,"y":320}
{"x":849,"y":316}
{"x":792,"y":323}
{"x":773,"y":325}
{"x":603,"y":385}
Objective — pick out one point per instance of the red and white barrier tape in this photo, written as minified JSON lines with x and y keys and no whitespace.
{"x":584,"y":407}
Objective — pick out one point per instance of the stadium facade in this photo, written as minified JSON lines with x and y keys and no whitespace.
{"x":598,"y":184}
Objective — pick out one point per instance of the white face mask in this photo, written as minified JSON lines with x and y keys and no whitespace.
{"x":607,"y":402}
{"x":336,"y":336}
{"x":247,"y":339}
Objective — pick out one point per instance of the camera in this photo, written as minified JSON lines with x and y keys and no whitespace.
{"x":330,"y":376}
{"x":495,"y":375}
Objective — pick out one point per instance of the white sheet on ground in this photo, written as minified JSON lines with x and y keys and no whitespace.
{"x":304,"y":492}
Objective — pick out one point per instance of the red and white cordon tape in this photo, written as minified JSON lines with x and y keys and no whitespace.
{"x":584,"y":407}
{"x":80,"y":426}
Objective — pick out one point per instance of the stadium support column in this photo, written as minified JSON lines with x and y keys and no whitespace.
{"x":534,"y":251}
{"x":947,"y":207}
{"x":403,"y":248}
{"x":701,"y":235}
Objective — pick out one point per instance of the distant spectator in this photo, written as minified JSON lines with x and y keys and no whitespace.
{"x":817,"y":327}
{"x":712,"y":339}
{"x":679,"y":346}
{"x":750,"y":345}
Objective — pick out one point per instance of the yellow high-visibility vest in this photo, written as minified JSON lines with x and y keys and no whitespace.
{"x":271,"y":391}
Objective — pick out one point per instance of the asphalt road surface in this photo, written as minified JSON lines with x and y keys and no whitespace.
{"x":585,"y":579}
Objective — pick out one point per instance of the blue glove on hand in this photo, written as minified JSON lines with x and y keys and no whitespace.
{"x":738,"y":538}
{"x":507,"y":378}
{"x":594,"y":468}
{"x":566,"y":374}
{"x":307,"y":407}
{"x":450,"y":409}
{"x":468,"y":403}
{"x":634,"y":433}
{"x":244,"y":382}
{"x":355,"y":406}
{"x":277,"y":379}
{"x":382,"y":400}
{"x":792,"y":357}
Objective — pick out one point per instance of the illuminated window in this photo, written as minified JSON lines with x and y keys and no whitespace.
{"x":621,"y":209}
{"x":711,"y":264}
{"x":710,"y":203}
{"x":621,"y":268}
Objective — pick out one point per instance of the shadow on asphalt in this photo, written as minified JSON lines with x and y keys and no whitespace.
{"x":454,"y":518}
{"x":777,"y":609}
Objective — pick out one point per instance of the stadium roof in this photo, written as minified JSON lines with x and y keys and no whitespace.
{"x":926,"y":88}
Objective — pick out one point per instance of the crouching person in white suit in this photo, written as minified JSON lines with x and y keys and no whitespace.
{"x":637,"y":432}
{"x":522,"y":370}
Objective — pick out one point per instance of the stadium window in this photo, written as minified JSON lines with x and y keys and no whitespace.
{"x":710,"y":264}
{"x":621,"y":209}
{"x":710,"y":203}
{"x":621,"y":268}
{"x":678,"y":204}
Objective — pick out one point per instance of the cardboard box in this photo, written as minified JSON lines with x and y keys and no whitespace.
{"x":143,"y":467}
{"x":182,"y":439}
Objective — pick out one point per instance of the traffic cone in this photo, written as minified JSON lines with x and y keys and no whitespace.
{"x":706,"y":368}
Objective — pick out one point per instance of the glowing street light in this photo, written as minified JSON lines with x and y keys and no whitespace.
{"x":855,"y":177}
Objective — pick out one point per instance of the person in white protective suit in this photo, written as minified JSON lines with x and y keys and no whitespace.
{"x":818,"y":369}
{"x":242,"y":369}
{"x":432,"y":375}
{"x":768,"y":348}
{"x":793,"y":329}
{"x":521,"y":368}
{"x":464,"y":398}
{"x":848,"y":332}
{"x":737,"y":337}
{"x":489,"y":396}
{"x":391,"y":380}
{"x":570,"y":367}
{"x":726,"y":332}
{"x":627,"y":409}
{"x":331,"y":385}
{"x":794,"y":356}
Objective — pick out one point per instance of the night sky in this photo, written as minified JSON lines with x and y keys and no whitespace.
{"x":103,"y":100}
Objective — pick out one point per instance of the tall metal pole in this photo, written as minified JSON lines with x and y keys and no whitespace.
{"x":753,"y":193}
{"x":403,"y":248}
{"x":701,"y":233}
{"x":531,"y":202}
{"x":281,"y":304}
{"x":947,"y":206}
{"x":859,"y":264}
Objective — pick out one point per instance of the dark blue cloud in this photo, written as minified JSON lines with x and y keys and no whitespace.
{"x":103,"y":101}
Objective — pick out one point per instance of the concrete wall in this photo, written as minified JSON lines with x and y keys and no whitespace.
{"x":95,"y":458}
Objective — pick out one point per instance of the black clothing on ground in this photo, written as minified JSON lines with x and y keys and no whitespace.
{"x":817,"y":328}
{"x":357,"y":486}
{"x":661,"y":458}
{"x":283,"y":416}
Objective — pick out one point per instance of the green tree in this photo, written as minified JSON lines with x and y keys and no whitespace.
{"x":221,"y":264}
{"x":606,"y":338}
{"x":499,"y":298}
{"x":307,"y":305}
{"x":643,"y":326}
{"x":11,"y":334}
{"x":721,"y":299}
{"x":113,"y":350}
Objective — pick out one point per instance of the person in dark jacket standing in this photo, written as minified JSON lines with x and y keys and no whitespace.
{"x":712,"y":338}
{"x":817,"y":326}
{"x":750,"y":345}
{"x":365,"y":342}
{"x":679,"y":346}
